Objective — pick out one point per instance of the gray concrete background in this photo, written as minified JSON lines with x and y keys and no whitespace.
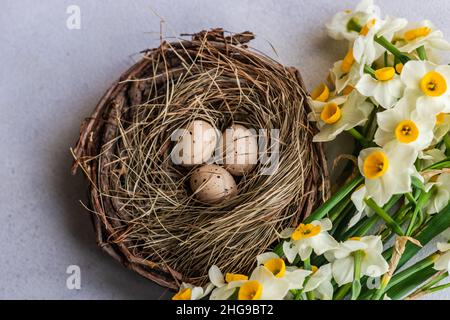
{"x":51,"y":78}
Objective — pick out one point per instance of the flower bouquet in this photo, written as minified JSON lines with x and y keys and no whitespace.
{"x":391,"y":94}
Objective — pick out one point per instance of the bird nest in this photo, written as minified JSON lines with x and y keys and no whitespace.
{"x":145,"y":214}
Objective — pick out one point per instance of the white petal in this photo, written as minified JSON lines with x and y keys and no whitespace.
{"x":264,"y":257}
{"x":286,"y":233}
{"x":304,"y":251}
{"x":323,"y":274}
{"x":296,"y":278}
{"x":373,"y":264}
{"x":222,"y":293}
{"x":343,"y":270}
{"x":196,"y":293}
{"x":443,"y":262}
{"x":215,"y":276}
{"x":323,"y":242}
{"x":325,"y":224}
{"x":290,"y":250}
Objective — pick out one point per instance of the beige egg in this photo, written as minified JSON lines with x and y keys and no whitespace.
{"x":212,"y":184}
{"x":196,"y":144}
{"x":239,"y":148}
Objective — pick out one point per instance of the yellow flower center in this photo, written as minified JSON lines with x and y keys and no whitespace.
{"x":399,"y":67}
{"x":304,"y":231}
{"x":355,"y":238}
{"x":314,"y":269}
{"x":385,"y":74}
{"x":276,"y":266}
{"x":347,"y":90}
{"x":440,"y":118}
{"x":433,"y":84}
{"x":406,"y":131}
{"x":369,"y":25}
{"x":331,"y":113}
{"x":375,"y":165}
{"x":320,"y":93}
{"x":251,"y":290}
{"x":413,"y":34}
{"x":230,"y":277}
{"x":183,"y":294}
{"x":348,"y":61}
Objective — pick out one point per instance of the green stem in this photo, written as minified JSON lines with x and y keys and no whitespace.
{"x":335,"y":199}
{"x":438,"y":288}
{"x":385,"y":216}
{"x":307,"y":266}
{"x":356,"y":285}
{"x":422,"y":53}
{"x":447,"y":144}
{"x":358,"y":136}
{"x":343,"y":291}
{"x":386,"y":63}
{"x":391,"y":48}
{"x":423,"y":200}
{"x":369,"y":70}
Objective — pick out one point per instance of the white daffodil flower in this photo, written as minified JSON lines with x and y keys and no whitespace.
{"x":339,"y":114}
{"x":262,"y":285}
{"x":441,"y":198}
{"x":320,"y":283}
{"x":190,"y":292}
{"x":308,"y":237}
{"x":345,"y":74}
{"x":443,"y":261}
{"x":386,"y":88}
{"x":429,"y":85}
{"x":340,"y":27}
{"x":358,"y":197}
{"x":403,"y":125}
{"x":442,"y":127}
{"x":416,"y":35}
{"x":365,"y":49}
{"x":223,"y":291}
{"x":343,"y":262}
{"x":295,"y":277}
{"x":387,"y":171}
{"x":431,"y":156}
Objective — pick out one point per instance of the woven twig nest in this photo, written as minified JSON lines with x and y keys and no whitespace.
{"x":144,"y":213}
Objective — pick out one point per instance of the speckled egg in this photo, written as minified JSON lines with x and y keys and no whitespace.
{"x":239,"y":148}
{"x":212,"y":184}
{"x":197,"y":143}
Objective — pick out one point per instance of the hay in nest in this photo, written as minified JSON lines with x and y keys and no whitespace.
{"x":144,"y":213}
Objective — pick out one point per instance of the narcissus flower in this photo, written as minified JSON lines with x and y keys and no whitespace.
{"x":387,"y":171}
{"x":442,"y":196}
{"x":343,"y":261}
{"x":262,"y":285}
{"x":416,"y":35}
{"x":339,"y":114}
{"x":190,"y":292}
{"x":294,"y":276}
{"x":365,"y":49}
{"x":223,"y":291}
{"x":442,"y":126}
{"x":358,"y":197}
{"x":403,"y":125}
{"x":430,"y":157}
{"x":345,"y":73}
{"x":308,"y":237}
{"x":386,"y":88}
{"x":320,"y":283}
{"x":340,"y":27}
{"x":443,"y":261}
{"x":429,"y":85}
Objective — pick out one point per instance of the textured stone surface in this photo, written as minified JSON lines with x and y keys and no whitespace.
{"x":51,"y":78}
